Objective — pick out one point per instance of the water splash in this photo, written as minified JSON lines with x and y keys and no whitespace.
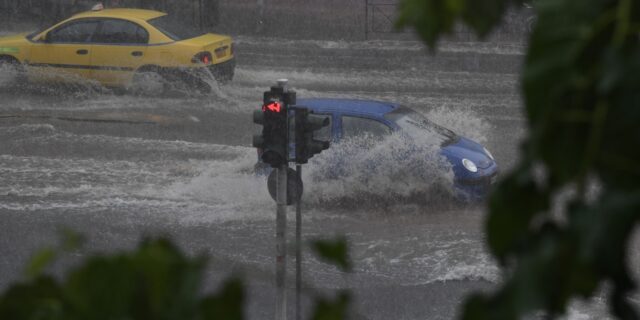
{"x":145,"y":85}
{"x":389,"y":170}
{"x":463,"y":122}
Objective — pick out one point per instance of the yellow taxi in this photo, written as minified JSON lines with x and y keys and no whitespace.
{"x":119,"y":47}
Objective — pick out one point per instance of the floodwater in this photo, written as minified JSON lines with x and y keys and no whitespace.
{"x":118,"y":167}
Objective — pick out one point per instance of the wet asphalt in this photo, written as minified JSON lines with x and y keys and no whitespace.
{"x":119,"y":167}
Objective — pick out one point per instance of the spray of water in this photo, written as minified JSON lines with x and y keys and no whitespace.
{"x":498,"y":48}
{"x":463,"y":122}
{"x":396,"y":168}
{"x":228,"y":189}
{"x":191,"y":83}
{"x":9,"y":74}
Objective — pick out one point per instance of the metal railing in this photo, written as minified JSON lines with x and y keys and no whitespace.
{"x":375,"y":17}
{"x":380,"y":18}
{"x":200,"y":13}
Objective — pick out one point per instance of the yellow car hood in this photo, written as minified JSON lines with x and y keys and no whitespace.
{"x":14,"y":39}
{"x":13,"y":44}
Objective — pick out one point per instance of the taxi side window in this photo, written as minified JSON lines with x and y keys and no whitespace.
{"x":121,"y":32}
{"x":76,"y":32}
{"x":354,"y":127}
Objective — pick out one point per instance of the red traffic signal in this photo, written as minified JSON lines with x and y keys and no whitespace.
{"x":274,"y":106}
{"x":273,"y":143}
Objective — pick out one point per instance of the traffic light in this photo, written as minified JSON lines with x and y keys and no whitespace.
{"x":273,"y":142}
{"x":306,"y":124}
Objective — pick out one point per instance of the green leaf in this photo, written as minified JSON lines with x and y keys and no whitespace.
{"x":333,"y":251}
{"x":40,"y":261}
{"x":38,"y":300}
{"x":102,"y":288}
{"x":170,"y":280}
{"x":434,"y":18}
{"x":332,"y":309}
{"x":71,"y":240}
{"x":430,"y":18}
{"x":513,"y":207}
{"x":228,"y":304}
{"x":156,"y":281}
{"x":580,"y":86}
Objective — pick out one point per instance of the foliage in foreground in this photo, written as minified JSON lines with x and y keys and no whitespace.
{"x":156,"y":281}
{"x":581,"y":85}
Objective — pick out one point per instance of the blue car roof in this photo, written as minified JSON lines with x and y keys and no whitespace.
{"x":368,"y":107}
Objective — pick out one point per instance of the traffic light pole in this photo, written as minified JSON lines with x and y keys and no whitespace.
{"x":273,"y":148}
{"x":281,"y":243}
{"x":298,"y":247}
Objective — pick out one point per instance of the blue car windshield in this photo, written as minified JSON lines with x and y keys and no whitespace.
{"x":418,"y":126}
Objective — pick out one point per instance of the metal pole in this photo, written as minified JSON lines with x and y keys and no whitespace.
{"x":298,"y":247}
{"x":281,"y":242}
{"x":200,"y":15}
{"x":193,"y":9}
{"x":366,"y":19}
{"x":8,"y":11}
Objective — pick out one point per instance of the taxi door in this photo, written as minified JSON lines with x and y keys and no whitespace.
{"x":64,"y":53}
{"x":119,"y":49}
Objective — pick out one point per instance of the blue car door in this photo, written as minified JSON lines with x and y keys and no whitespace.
{"x":353,"y":132}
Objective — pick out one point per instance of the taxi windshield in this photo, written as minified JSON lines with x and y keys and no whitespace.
{"x":32,"y":35}
{"x":175,"y":29}
{"x":417,"y":126}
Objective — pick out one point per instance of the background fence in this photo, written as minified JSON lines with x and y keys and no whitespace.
{"x":308,"y":19}
{"x":201,"y":13}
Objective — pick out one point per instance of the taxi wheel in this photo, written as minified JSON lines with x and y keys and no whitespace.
{"x":12,"y":72}
{"x":149,"y":81}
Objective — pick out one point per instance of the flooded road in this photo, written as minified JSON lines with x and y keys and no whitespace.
{"x":118,"y":167}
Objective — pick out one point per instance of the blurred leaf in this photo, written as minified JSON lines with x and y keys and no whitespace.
{"x":228,"y":304}
{"x":38,"y":300}
{"x":333,"y":251}
{"x":431,"y":18}
{"x":40,"y":261}
{"x":513,"y":208}
{"x":434,"y":18}
{"x":170,"y":280}
{"x":156,"y":281}
{"x":580,"y":86}
{"x":332,"y":309}
{"x":71,"y":240}
{"x":102,"y":288}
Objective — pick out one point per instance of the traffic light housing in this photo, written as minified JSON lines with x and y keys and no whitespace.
{"x":306,"y":124}
{"x":275,"y":121}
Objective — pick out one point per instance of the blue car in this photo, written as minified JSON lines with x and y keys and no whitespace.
{"x":473,"y":168}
